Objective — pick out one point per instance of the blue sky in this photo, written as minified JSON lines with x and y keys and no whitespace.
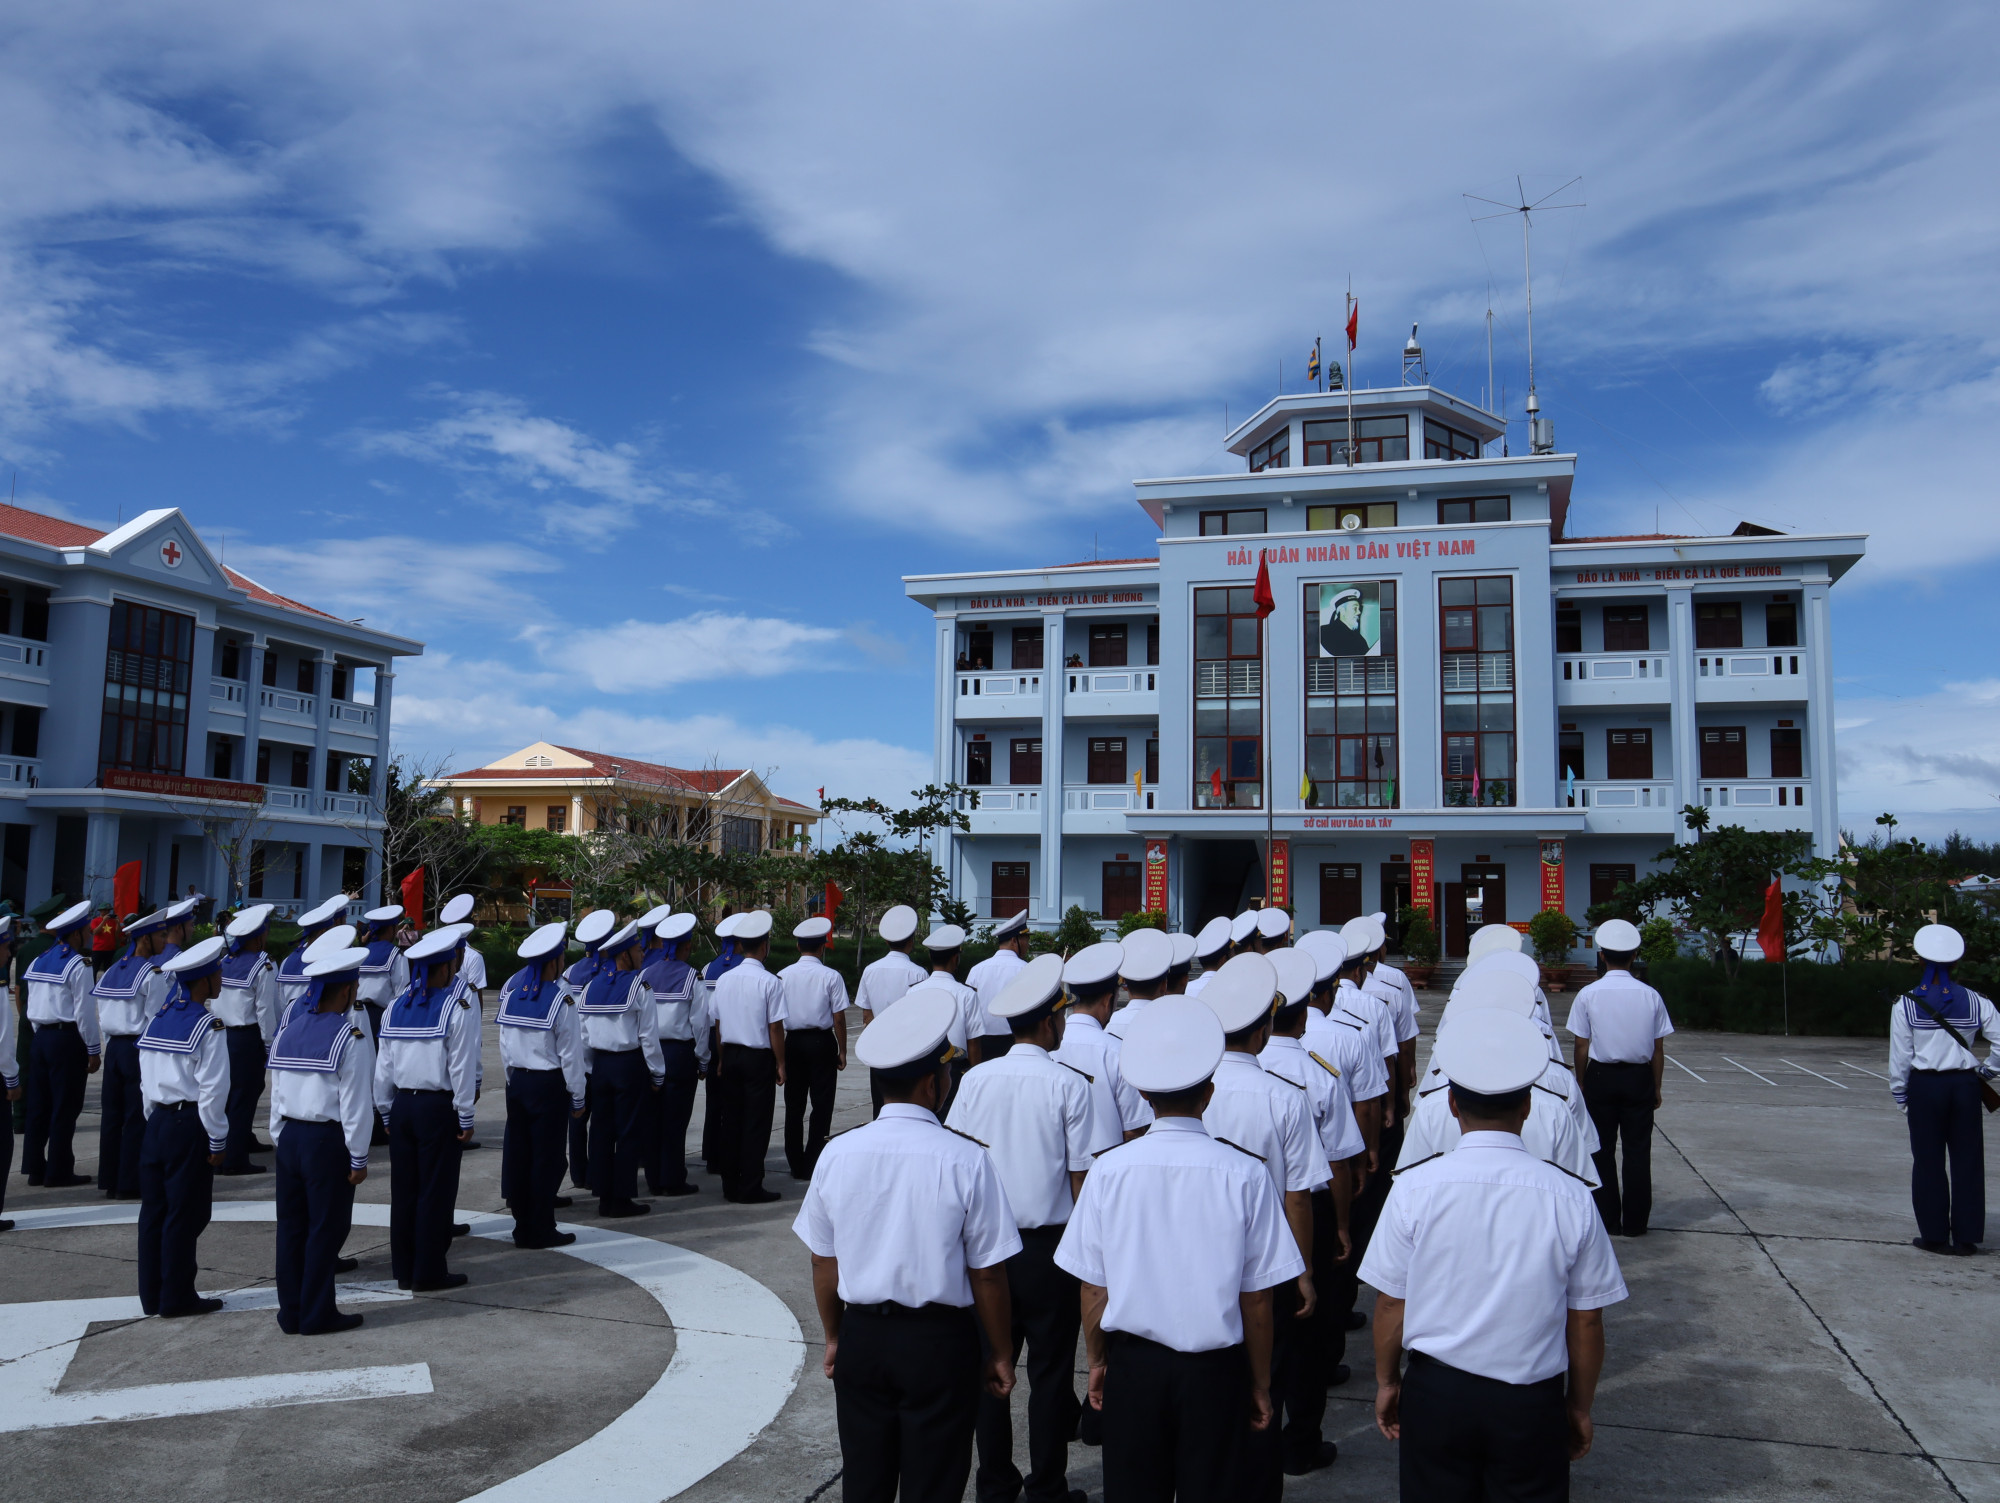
{"x":628,"y":353}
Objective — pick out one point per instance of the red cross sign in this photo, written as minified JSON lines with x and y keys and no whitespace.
{"x":170,"y":554}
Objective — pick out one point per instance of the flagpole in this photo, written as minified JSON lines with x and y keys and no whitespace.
{"x":1270,"y":789}
{"x":1353,"y":447}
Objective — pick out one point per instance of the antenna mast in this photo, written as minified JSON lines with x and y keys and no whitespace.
{"x":1541,"y":433}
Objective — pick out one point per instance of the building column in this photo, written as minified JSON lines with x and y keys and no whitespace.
{"x":314,"y":874}
{"x":100,"y":855}
{"x":1819,"y":721}
{"x":944,"y":739}
{"x":1055,"y":677}
{"x":253,"y":706}
{"x":1683,"y":730}
{"x":322,"y":739}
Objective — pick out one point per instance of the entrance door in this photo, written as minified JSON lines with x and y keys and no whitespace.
{"x":1395,"y":898}
{"x":1485,"y":895}
{"x":1455,"y":935}
{"x":1339,"y":891}
{"x":1124,"y":888}
{"x":1009,"y":888}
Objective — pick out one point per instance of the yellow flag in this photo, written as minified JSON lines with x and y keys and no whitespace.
{"x":1305,"y":788}
{"x":1139,"y":787}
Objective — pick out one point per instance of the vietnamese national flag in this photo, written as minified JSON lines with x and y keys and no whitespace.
{"x":1215,"y":782}
{"x":1771,"y":932}
{"x":1353,"y":326}
{"x":125,"y":892}
{"x":413,"y":898}
{"x":1265,"y":601}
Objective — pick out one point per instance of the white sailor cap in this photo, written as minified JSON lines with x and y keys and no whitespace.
{"x":752,"y":925}
{"x":436,"y":945}
{"x":624,"y":939}
{"x":339,"y":937}
{"x":145,"y":923}
{"x":458,"y":910}
{"x":6,"y":928}
{"x":650,"y":919}
{"x":675,"y":926}
{"x":1243,"y":926}
{"x":335,"y":962}
{"x":541,"y":943}
{"x":69,"y":918}
{"x":384,"y":915}
{"x":1094,"y":965}
{"x":1297,"y":972}
{"x":1362,"y":936}
{"x":813,"y":928}
{"x":325,"y":913}
{"x":1382,"y":919}
{"x":1490,"y":937}
{"x":1214,"y":935}
{"x":1511,"y":961}
{"x":1007,"y":928}
{"x":1938,"y":943}
{"x":910,"y":1037}
{"x":1622,"y":936}
{"x":1145,"y":955}
{"x":1036,"y":984}
{"x":1242,"y":992}
{"x":249,"y":921}
{"x":944,"y":939}
{"x":595,"y":925}
{"x":1328,"y":950}
{"x":1491,"y":987}
{"x":1273,"y":923}
{"x":1492,"y":1053}
{"x":725,"y":927}
{"x":201,"y":957}
{"x":1184,"y":950}
{"x":181,"y":911}
{"x":1174,"y":1044}
{"x":898,"y":924}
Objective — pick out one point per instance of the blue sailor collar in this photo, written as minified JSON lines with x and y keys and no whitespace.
{"x":240,"y":967}
{"x":422,"y":1012}
{"x":381,"y":956}
{"x":312,"y":1043}
{"x":123,"y":977}
{"x":530,"y":1002}
{"x":179,"y":1027}
{"x":608,"y":994}
{"x":724,"y":963}
{"x":54,"y":963}
{"x":671,"y":978}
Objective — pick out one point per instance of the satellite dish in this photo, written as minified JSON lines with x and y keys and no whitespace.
{"x":1351,"y":522}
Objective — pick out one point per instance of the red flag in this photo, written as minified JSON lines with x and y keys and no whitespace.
{"x":413,"y":898}
{"x":834,"y":898}
{"x":1771,"y":932}
{"x":1353,"y":326}
{"x":125,"y":891}
{"x":1215,"y":782}
{"x":1265,"y":601}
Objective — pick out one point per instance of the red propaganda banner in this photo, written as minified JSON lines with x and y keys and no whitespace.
{"x":179,"y":787}
{"x":1156,"y":876}
{"x":1552,"y":875}
{"x":1423,"y":876}
{"x":1280,"y":886}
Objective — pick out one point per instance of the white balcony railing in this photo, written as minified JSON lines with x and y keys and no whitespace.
{"x":998,"y":685}
{"x":344,"y":803}
{"x":1096,"y":800}
{"x":1777,"y":793}
{"x":1619,"y":795}
{"x":1003,"y":801}
{"x":225,"y":691}
{"x":1129,"y":681}
{"x":288,"y":798}
{"x":339,"y":711}
{"x":20,"y":650}
{"x":17,"y":772}
{"x":1623,"y":667}
{"x":1784,"y":664}
{"x":290,"y":704}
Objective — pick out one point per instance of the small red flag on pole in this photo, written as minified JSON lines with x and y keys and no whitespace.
{"x":413,"y":898}
{"x":1771,"y":932}
{"x":1266,"y":602}
{"x":1215,"y":782}
{"x":1353,"y":327}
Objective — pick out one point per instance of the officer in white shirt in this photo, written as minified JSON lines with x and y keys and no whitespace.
{"x":681,"y":1002}
{"x":621,"y":1030}
{"x":1145,"y":957}
{"x":128,"y":992}
{"x":909,"y":1231}
{"x":1621,"y":1025}
{"x":184,"y":1083}
{"x":815,"y":1044}
{"x":990,"y":977}
{"x":10,"y":1079}
{"x":1181,"y":964}
{"x":1938,"y":1080}
{"x":749,"y":1006}
{"x":1273,"y":932}
{"x":1514,"y":963}
{"x":1399,"y":1003}
{"x":247,"y":1009}
{"x":322,"y":1110}
{"x":313,"y":923}
{"x":424,"y":1095}
{"x":64,"y":1049}
{"x":1180,"y":1242}
{"x":472,"y":971}
{"x":1211,"y":949}
{"x":1033,"y":1115}
{"x":592,"y":930}
{"x":884,"y":981}
{"x":385,"y":975}
{"x":541,"y":1051}
{"x":714,"y":1158}
{"x":1091,"y":978}
{"x":946,"y":947}
{"x":1493,"y":1271}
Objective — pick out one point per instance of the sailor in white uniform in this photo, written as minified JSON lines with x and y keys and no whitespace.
{"x":1146,"y":956}
{"x":1367,"y":937}
{"x":1211,"y":949}
{"x":621,"y":1028}
{"x":1033,"y":1114}
{"x":1500,"y":958}
{"x":1180,"y":966}
{"x":424,"y":1088}
{"x":313,"y":923}
{"x":1180,"y":1242}
{"x":1493,"y":1270}
{"x":1091,"y":978}
{"x":749,"y":1007}
{"x":1273,"y":932}
{"x":909,"y":1231}
{"x":1620,"y":1025}
{"x":990,"y":977}
{"x":885,"y":980}
{"x":385,"y":975}
{"x":247,"y":1010}
{"x":127,"y":993}
{"x":1939,"y":1082}
{"x":64,"y":1049}
{"x":472,"y":971}
{"x":946,"y":947}
{"x":541,"y":1050}
{"x":714,"y":1159}
{"x":592,"y":930}
{"x":322,"y":1109}
{"x":10,"y":1079}
{"x":680,"y":1002}
{"x":184,"y":1080}
{"x":815,"y":1045}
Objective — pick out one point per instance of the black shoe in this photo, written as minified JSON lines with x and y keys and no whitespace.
{"x":69,"y":1181}
{"x":449,"y":1281}
{"x":256,"y":1147}
{"x":346,"y":1265}
{"x":1327,"y":1454}
{"x":6,"y":1226}
{"x":754,"y":1198}
{"x":563,"y":1202}
{"x":340,"y":1323}
{"x":402,"y":1283}
{"x":1090,"y":1426}
{"x":1635,"y":1231}
{"x":468,"y":1147}
{"x":1962,"y":1250}
{"x":1356,"y":1320}
{"x":461,"y":1229}
{"x":556,"y":1239}
{"x":617,"y":1209}
{"x":673,"y":1190}
{"x":33,"y":1179}
{"x":246,"y":1169}
{"x":1936,"y":1247}
{"x":199,"y":1307}
{"x":1340,"y":1374}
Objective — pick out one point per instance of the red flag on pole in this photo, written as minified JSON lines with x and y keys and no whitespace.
{"x":1215,"y":782}
{"x":1353,"y":327}
{"x":1771,"y":932}
{"x":125,"y":891}
{"x":413,"y":898}
{"x":834,"y":898}
{"x":1265,"y":601}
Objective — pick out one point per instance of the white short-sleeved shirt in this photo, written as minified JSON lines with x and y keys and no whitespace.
{"x":1349,"y":1045}
{"x":814,"y":992}
{"x":1269,"y":1116}
{"x":1622,"y":1017}
{"x":989,"y":978}
{"x":1176,"y":1227}
{"x":1371,"y":1010}
{"x":1394,"y":988}
{"x":746,"y":1002}
{"x":1033,"y":1114}
{"x":1550,"y":1133}
{"x":1489,"y":1248}
{"x":1087,"y":1047}
{"x":884,"y":981}
{"x":1326,"y":1094}
{"x":938,"y":981}
{"x":906,"y":1205}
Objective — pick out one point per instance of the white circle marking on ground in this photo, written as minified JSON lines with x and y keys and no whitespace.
{"x":737,"y":1353}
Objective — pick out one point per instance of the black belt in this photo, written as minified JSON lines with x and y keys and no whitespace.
{"x":404,"y":1091}
{"x":751,"y":1048}
{"x":890,"y":1310}
{"x":241,"y":1028}
{"x":67,"y":1027}
{"x":1962,"y":1070}
{"x":1040,"y":1234}
{"x":1425,"y":1359}
{"x":523,"y":1070}
{"x":1623,"y":1064}
{"x":790,"y":1031}
{"x":175,"y":1106}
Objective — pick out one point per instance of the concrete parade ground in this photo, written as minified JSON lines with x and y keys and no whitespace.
{"x":1783,"y":1340}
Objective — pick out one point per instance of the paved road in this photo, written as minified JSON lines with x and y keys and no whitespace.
{"x":1782,"y":1339}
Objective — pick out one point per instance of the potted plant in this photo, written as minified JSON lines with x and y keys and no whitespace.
{"x":1553,"y":934}
{"x":1420,"y":946}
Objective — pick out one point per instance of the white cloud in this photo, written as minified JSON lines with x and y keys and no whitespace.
{"x":634,"y":656}
{"x":400,"y":583}
{"x":1927,"y":758}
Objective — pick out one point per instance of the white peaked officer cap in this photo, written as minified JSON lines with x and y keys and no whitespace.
{"x":1495,"y":988}
{"x":1094,"y":965}
{"x":1362,"y":936}
{"x":1511,"y":961}
{"x":1382,"y":919}
{"x":1145,"y":955}
{"x":178,"y":911}
{"x":457,"y":911}
{"x":1243,"y":926}
{"x":1184,"y":950}
{"x":384,"y":915}
{"x":1938,"y":943}
{"x":898,"y":924}
{"x":1492,"y":937}
{"x":1328,"y":950}
{"x":912,"y":1031}
{"x":595,"y":925}
{"x":435,"y":945}
{"x":943,"y":938}
{"x":335,"y":962}
{"x":326,"y":913}
{"x":813,"y":928}
{"x":339,"y":937}
{"x":197,"y":956}
{"x":1622,"y":935}
{"x":1214,"y":935}
{"x":1297,"y":973}
{"x":675,"y":926}
{"x":1242,"y":992}
{"x":1174,"y":1044}
{"x":1493,"y":1053}
{"x":69,"y":918}
{"x":1274,"y":923}
{"x":650,"y":919}
{"x":752,"y":925}
{"x":1009,"y":927}
{"x":1036,"y":984}
{"x":544,"y":942}
{"x":249,"y":921}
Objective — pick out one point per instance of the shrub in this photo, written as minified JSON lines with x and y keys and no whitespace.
{"x":1843,"y":1000}
{"x":1553,"y":934}
{"x":1420,"y":938}
{"x":1657,"y":941}
{"x":1145,"y":918}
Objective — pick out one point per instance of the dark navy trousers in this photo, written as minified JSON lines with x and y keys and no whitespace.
{"x":666,"y":1169}
{"x":620,"y":1085}
{"x":315,"y":1214}
{"x":58,"y":1066}
{"x":122,"y":1123}
{"x":1945,"y":1122}
{"x":246,"y":1089}
{"x":176,"y":1191}
{"x":423,"y":1185}
{"x":531,"y":1156}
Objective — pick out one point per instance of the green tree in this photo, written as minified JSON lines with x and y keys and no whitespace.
{"x":888,"y":860}
{"x":1553,"y":934}
{"x":1142,"y":918}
